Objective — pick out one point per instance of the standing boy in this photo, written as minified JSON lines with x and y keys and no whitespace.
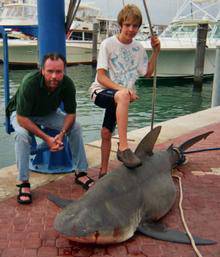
{"x":121,"y":60}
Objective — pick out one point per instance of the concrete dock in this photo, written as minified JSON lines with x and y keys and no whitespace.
{"x":27,"y":231}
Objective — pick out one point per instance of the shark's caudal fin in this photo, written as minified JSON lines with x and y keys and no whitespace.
{"x":62,"y":203}
{"x":145,"y":147}
{"x":159,"y":231}
{"x":187,"y":144}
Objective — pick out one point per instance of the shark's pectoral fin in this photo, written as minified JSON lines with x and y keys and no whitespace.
{"x":62,"y":203}
{"x":159,"y":231}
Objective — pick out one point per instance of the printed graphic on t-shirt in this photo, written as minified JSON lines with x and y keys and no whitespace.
{"x":125,"y":66}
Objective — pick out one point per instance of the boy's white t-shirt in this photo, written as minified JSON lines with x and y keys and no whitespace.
{"x":124,"y":63}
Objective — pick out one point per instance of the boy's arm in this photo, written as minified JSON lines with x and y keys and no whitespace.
{"x":104,"y":80}
{"x":155,"y":43}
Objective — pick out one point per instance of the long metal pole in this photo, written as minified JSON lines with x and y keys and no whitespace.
{"x":51,"y":27}
{"x":154,"y":93}
{"x":6,"y":78}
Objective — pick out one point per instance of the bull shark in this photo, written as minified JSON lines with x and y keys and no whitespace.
{"x":126,"y":201}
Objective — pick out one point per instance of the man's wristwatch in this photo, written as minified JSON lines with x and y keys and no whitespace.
{"x":63,"y":132}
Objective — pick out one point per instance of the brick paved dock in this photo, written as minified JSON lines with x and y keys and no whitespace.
{"x":27,"y":231}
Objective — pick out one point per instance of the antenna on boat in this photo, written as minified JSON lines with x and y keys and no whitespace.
{"x":73,"y":7}
{"x":154,"y":93}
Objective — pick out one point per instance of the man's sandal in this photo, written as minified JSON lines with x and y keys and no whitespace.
{"x":85,"y":185}
{"x":20,"y":194}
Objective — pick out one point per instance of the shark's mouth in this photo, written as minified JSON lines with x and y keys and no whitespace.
{"x":115,"y":236}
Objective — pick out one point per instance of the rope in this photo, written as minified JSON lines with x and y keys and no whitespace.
{"x":154,"y":93}
{"x":183,"y":218}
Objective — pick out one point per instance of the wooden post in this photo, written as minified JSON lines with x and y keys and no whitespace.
{"x":216,"y":83}
{"x":200,"y":56}
{"x":94,"y":43}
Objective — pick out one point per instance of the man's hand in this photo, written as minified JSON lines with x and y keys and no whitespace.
{"x":55,"y":143}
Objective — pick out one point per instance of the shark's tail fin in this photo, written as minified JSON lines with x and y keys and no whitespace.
{"x":187,"y":144}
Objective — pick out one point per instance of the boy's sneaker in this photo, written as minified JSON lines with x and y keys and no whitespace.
{"x":129,"y":159}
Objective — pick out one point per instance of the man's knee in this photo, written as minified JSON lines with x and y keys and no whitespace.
{"x":106,"y":134}
{"x":76,"y":129}
{"x":22,"y":135}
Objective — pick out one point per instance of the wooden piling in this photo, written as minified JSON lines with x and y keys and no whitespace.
{"x":200,"y":56}
{"x":94,"y":43}
{"x":216,"y":82}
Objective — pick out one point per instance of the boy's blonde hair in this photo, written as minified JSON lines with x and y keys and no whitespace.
{"x":130,"y":12}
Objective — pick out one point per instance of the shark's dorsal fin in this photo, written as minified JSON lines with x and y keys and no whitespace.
{"x":62,"y":203}
{"x":145,"y":147}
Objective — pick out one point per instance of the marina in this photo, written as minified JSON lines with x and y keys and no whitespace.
{"x":182,"y":113}
{"x":178,"y":40}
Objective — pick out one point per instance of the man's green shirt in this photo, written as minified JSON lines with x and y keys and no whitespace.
{"x":33,"y":99}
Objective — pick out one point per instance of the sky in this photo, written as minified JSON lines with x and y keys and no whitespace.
{"x":161,"y":11}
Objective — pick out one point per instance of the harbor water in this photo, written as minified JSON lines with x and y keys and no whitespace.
{"x":173,"y":100}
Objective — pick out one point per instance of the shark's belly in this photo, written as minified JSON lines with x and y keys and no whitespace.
{"x":160,"y":197}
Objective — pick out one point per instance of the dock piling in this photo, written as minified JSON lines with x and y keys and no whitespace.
{"x":94,"y":43}
{"x":200,"y":56}
{"x":216,"y":82}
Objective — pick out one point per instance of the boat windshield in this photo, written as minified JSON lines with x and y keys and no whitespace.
{"x":18,"y":12}
{"x":217,"y":30}
{"x":190,"y":15}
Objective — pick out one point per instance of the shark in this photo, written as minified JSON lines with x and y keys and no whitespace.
{"x":126,"y":201}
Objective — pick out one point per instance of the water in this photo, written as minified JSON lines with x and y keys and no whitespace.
{"x":173,"y":100}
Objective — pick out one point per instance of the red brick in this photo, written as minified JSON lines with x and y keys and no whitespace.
{"x":47,"y":252}
{"x":65,"y":251}
{"x":62,"y":242}
{"x":86,"y":252}
{"x":32,"y":243}
{"x":138,"y":255}
{"x":30,"y":253}
{"x":151,"y":250}
{"x":49,"y":234}
{"x":105,"y":255}
{"x":49,"y":242}
{"x":33,"y":235}
{"x":3,"y":244}
{"x":117,"y":250}
{"x":15,"y":244}
{"x":133,"y":248}
{"x":13,"y":252}
{"x":100,"y":251}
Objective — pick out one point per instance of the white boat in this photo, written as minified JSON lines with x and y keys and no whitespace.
{"x":23,"y":49}
{"x":178,"y":41}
